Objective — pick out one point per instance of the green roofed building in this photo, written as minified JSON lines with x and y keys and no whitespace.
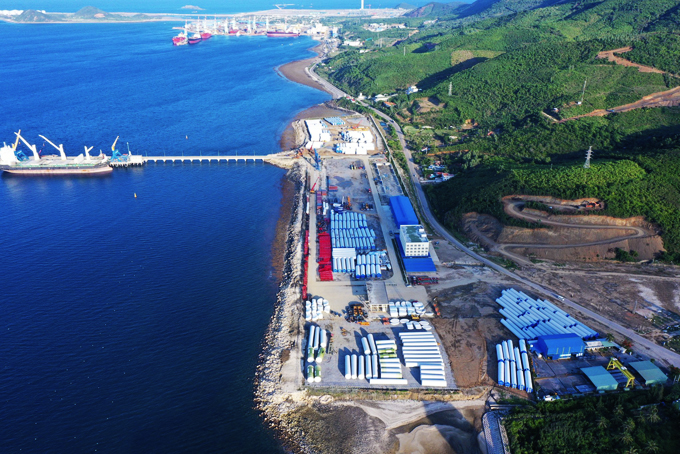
{"x":651,"y":374}
{"x":602,"y":379}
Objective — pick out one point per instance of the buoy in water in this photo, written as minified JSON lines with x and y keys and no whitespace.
{"x":135,"y":195}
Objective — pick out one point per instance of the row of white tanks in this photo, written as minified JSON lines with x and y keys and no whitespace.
{"x":513,"y":366}
{"x":316,"y":350}
{"x":363,"y":266}
{"x":405,"y":308}
{"x":316,"y":308}
{"x":527,"y":318}
{"x":421,"y":350}
{"x":361,"y":244}
{"x":379,"y":363}
{"x":348,"y":220}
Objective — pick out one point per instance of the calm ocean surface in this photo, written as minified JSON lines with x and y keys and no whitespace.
{"x":175,"y":6}
{"x":133,"y":325}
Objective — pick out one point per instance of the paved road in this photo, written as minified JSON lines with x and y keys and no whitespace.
{"x":649,"y":348}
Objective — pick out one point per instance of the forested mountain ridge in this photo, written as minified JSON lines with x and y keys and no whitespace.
{"x":493,"y":88}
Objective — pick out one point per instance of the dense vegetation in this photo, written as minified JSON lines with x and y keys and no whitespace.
{"x":637,"y":173}
{"x":635,"y":422}
{"x":660,"y":51}
{"x":492,"y":73}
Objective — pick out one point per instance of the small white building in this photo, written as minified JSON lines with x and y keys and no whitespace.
{"x":414,"y":241}
{"x":412,"y":89}
{"x":355,"y":43}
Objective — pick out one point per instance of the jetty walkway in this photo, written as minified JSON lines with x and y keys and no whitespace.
{"x":210,"y":158}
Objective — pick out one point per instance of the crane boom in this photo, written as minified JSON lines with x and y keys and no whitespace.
{"x":16,"y":143}
{"x":113,"y":147}
{"x":60,"y":147}
{"x":30,"y":147}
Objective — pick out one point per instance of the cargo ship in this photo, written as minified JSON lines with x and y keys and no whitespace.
{"x":206,"y":35}
{"x":180,"y":39}
{"x":282,"y":34}
{"x":16,"y":162}
{"x":195,"y":38}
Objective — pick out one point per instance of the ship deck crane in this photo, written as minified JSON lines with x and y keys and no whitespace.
{"x":30,"y":147}
{"x":60,"y":147}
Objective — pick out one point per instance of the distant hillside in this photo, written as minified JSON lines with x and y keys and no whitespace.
{"x":436,"y":9}
{"x":90,"y":12}
{"x":489,"y":8}
{"x":31,"y":15}
{"x":405,"y":6}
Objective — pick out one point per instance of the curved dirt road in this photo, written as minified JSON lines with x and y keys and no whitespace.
{"x":511,"y":209}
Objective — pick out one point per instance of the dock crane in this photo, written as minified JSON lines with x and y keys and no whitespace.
{"x":33,"y":148}
{"x":60,"y":147}
{"x":311,"y":191}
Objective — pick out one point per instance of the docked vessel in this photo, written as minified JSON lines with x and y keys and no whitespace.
{"x":282,"y":34}
{"x":206,"y":35}
{"x":180,"y":39}
{"x":13,"y":161}
{"x":195,"y":38}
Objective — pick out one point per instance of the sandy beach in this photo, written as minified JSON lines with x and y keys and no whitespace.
{"x":296,"y":70}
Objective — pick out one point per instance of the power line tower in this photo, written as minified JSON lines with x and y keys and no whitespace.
{"x":583,"y":93}
{"x":589,"y":154}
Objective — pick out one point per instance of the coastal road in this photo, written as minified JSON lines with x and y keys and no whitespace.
{"x":650,"y":348}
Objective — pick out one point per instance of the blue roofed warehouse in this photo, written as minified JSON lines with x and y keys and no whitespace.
{"x":402,"y":210}
{"x":560,"y":346}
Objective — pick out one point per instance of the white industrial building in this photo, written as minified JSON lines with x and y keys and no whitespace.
{"x":317,"y":131}
{"x":414,"y":241}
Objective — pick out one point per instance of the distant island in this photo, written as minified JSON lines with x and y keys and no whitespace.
{"x":192,"y":7}
{"x":86,"y":14}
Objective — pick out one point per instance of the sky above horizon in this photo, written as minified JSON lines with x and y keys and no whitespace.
{"x":175,"y":6}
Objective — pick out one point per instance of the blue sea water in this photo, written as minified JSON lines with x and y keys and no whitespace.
{"x":175,"y":6}
{"x":133,"y":324}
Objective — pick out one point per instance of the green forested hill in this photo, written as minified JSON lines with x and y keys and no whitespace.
{"x":490,"y":79}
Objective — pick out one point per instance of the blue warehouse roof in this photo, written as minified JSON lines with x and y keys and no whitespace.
{"x":403,"y":211}
{"x":650,"y":373}
{"x":560,"y":345}
{"x":602,"y":379}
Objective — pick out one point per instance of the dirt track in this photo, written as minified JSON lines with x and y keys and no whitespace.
{"x":511,"y":205}
{"x":666,"y":98}
{"x":611,"y":56}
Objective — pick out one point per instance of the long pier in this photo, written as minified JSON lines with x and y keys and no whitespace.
{"x":210,"y":158}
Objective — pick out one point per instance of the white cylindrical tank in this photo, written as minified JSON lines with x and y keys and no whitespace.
{"x":371,"y":343}
{"x":348,"y":367}
{"x":355,"y":367}
{"x":518,"y":359}
{"x":317,"y":373}
{"x":369,"y":367}
{"x":507,"y":373}
{"x":506,"y":355}
{"x":522,"y":346}
{"x":365,"y":345}
{"x":375,"y":365}
{"x":525,"y":361}
{"x":362,"y":364}
{"x":310,"y":342}
{"x":499,"y":352}
{"x":520,"y":379}
{"x":501,"y":374}
{"x":317,"y":338}
{"x":513,"y":377}
{"x":527,"y":381}
{"x":310,"y":374}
